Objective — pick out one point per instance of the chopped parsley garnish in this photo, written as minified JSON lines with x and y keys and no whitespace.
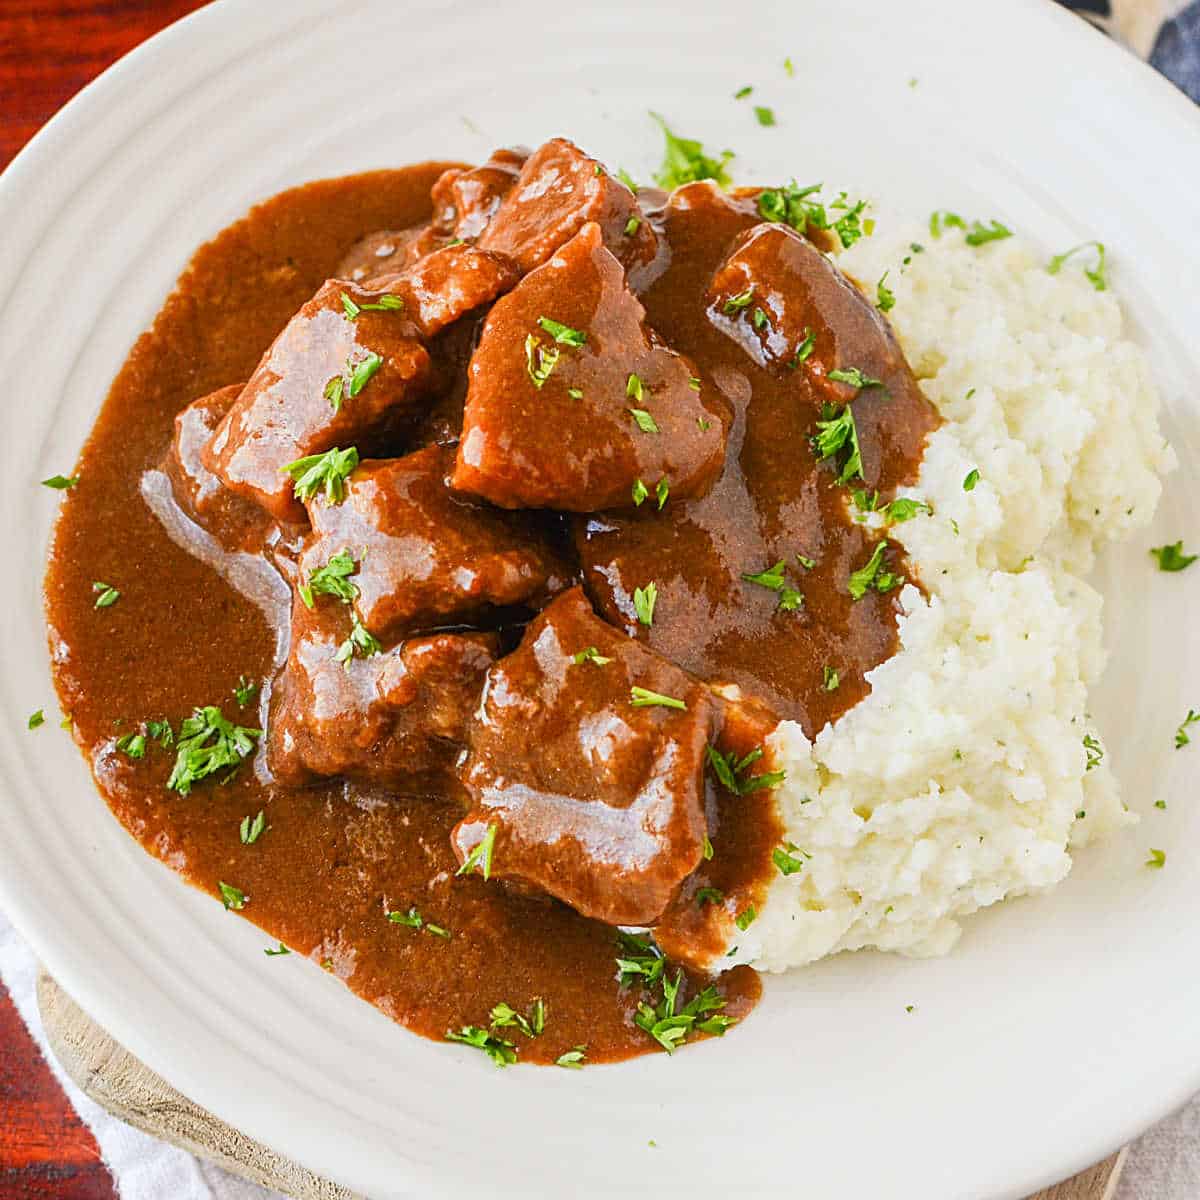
{"x":835,"y":433}
{"x":501,"y":1052}
{"x":504,"y":1016}
{"x":1157,"y":859}
{"x":662,"y":490}
{"x":800,"y":208}
{"x":703,"y":424}
{"x":592,"y":655}
{"x":764,"y":116}
{"x":333,"y":392}
{"x":992,"y":232}
{"x":639,"y":492}
{"x":60,"y":482}
{"x":361,"y":374}
{"x":731,"y":771}
{"x":830,"y":679}
{"x":746,"y":917}
{"x":634,"y":388}
{"x":1181,"y":735}
{"x":904,"y":508}
{"x":694,"y":383}
{"x":412,"y":919}
{"x":760,"y":320}
{"x":803,"y":350}
{"x":1160,"y":804}
{"x":738,"y":302}
{"x":625,"y":177}
{"x":209,"y":744}
{"x":349,"y":307}
{"x":790,"y":600}
{"x":684,"y":161}
{"x":36,"y":719}
{"x":1095,"y":752}
{"x":276,"y":953}
{"x":854,"y":377}
{"x":388,"y":302}
{"x":742,"y":92}
{"x":232,"y":897}
{"x":885,"y":298}
{"x":333,"y":579}
{"x":975,"y":235}
{"x":564,"y":335}
{"x":575,"y":393}
{"x":785,"y":860}
{"x":631,"y":226}
{"x":970,"y":479}
{"x":644,"y":421}
{"x":328,"y":471}
{"x":1095,"y":275}
{"x":644,"y":600}
{"x":709,"y":895}
{"x":244,"y":692}
{"x":669,"y":1027}
{"x":706,"y":850}
{"x":1172,"y":557}
{"x":771,"y":578}
{"x":573,"y":1058}
{"x":868,"y":576}
{"x":639,"y":959}
{"x":641,"y":697}
{"x":539,"y":360}
{"x":437,"y":930}
{"x":480,"y":858}
{"x":161,"y":732}
{"x":361,"y":643}
{"x":106,"y":594}
{"x":252,"y":828}
{"x":806,"y":562}
{"x":133,"y":745}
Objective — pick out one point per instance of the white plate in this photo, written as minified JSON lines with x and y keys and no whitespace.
{"x":1059,"y":1028}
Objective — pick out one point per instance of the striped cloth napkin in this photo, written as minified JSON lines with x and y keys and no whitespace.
{"x":1163,"y":1165}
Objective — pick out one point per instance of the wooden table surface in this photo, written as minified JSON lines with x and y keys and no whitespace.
{"x":49,"y":49}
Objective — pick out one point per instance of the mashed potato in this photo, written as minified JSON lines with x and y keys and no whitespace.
{"x":964,"y":778}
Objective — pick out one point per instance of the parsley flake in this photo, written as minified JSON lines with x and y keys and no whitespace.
{"x":785,"y":860}
{"x":564,"y":335}
{"x":641,"y":697}
{"x":1181,"y":735}
{"x":252,"y":828}
{"x":412,"y":919}
{"x":885,"y":298}
{"x":830,"y":679}
{"x":1157,"y":859}
{"x":746,"y":918}
{"x":333,"y":579}
{"x":276,"y":953}
{"x":868,"y":575}
{"x":742,"y":92}
{"x":1095,"y":751}
{"x":644,"y":421}
{"x":361,"y":643}
{"x":738,"y":302}
{"x":133,"y":745}
{"x":36,"y":719}
{"x":480,"y":858}
{"x":592,"y":655}
{"x":106,"y":594}
{"x":60,"y":482}
{"x":684,"y":161}
{"x":1172,"y":557}
{"x":631,"y":226}
{"x":501,"y":1052}
{"x":539,"y":360}
{"x":634,"y":388}
{"x":764,"y":116}
{"x":731,"y":771}
{"x":644,"y":600}
{"x":232,"y":897}
{"x":854,"y":377}
{"x":1095,"y":275}
{"x":208,"y":744}
{"x":244,"y":692}
{"x":328,"y":471}
{"x":709,"y":895}
{"x":662,"y":490}
{"x":835,"y":433}
{"x":573,"y":1058}
{"x":970,"y":479}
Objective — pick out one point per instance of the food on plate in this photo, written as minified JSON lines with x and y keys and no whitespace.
{"x":546,"y":602}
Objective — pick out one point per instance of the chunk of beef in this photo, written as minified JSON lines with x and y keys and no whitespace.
{"x":425,"y":556}
{"x":308,"y":394}
{"x":234,"y":522}
{"x":591,"y":798}
{"x":553,"y":424}
{"x":465,"y":199}
{"x":559,"y":190}
{"x":396,"y":718}
{"x":448,"y":284}
{"x":791,"y":309}
{"x":386,"y":253}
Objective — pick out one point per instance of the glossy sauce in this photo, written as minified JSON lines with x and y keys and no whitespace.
{"x":338,"y":856}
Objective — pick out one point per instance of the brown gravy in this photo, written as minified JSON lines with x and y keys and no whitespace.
{"x":337,"y":857}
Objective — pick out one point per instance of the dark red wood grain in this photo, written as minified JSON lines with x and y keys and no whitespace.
{"x":48,"y":50}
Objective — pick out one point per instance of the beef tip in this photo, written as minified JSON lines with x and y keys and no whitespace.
{"x":559,"y":190}
{"x":425,"y":556}
{"x":302,"y":397}
{"x":791,"y":309}
{"x":234,"y":522}
{"x":465,"y":199}
{"x":586,"y":796}
{"x":573,"y":403}
{"x":386,"y":253}
{"x":448,"y":284}
{"x":396,"y":718}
